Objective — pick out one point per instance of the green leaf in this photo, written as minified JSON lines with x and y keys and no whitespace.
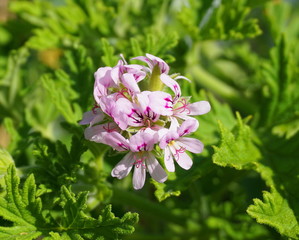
{"x":155,"y":43}
{"x":5,"y":161}
{"x":221,"y":20}
{"x":77,"y":224}
{"x":23,"y":209}
{"x":11,"y":84}
{"x":280,"y":88}
{"x":166,"y":190}
{"x":275,"y":211}
{"x":81,"y":70}
{"x":20,"y":208}
{"x":108,"y":57}
{"x":58,"y":165}
{"x":277,"y":165}
{"x":236,"y":150}
{"x":279,"y":169}
{"x":60,"y":90}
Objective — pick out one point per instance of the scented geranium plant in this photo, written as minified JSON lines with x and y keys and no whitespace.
{"x":215,"y":157}
{"x":145,"y":122}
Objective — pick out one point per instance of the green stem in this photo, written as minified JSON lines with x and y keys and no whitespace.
{"x":147,"y":207}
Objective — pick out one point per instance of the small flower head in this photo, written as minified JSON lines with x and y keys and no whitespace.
{"x":143,"y":122}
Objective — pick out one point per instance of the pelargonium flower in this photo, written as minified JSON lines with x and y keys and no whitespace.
{"x":143,"y":122}
{"x":139,"y":156}
{"x":175,"y":145}
{"x":153,"y":61}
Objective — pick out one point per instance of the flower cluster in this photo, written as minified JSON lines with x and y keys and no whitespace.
{"x":143,"y":123}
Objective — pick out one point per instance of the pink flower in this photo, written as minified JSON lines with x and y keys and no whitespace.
{"x":140,"y":157}
{"x":97,"y":133}
{"x":121,"y":78}
{"x":92,"y":117}
{"x":175,"y":145}
{"x":153,"y":61}
{"x":137,"y":113}
{"x":147,"y":118}
{"x":181,"y":107}
{"x":103,"y":81}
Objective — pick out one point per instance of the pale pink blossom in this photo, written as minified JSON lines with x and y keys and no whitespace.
{"x":140,"y":157}
{"x":96,"y":133}
{"x":175,"y":145}
{"x":92,"y":117}
{"x":136,"y":114}
{"x":121,"y":78}
{"x":134,"y":121}
{"x":153,"y":61}
{"x":103,"y":81}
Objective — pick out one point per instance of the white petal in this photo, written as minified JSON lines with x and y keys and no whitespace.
{"x":116,"y":140}
{"x":172,"y":84}
{"x":184,"y":161}
{"x":97,"y":118}
{"x":123,"y":168}
{"x":139,"y":176}
{"x":143,"y":141}
{"x":130,"y":82}
{"x":199,"y":108}
{"x":168,"y":160}
{"x":182,"y":77}
{"x":94,"y":133}
{"x":155,"y":169}
{"x":161,"y":103}
{"x":167,"y":138}
{"x":188,"y":126}
{"x":87,"y":118}
{"x":174,"y":124}
{"x":191,"y":144}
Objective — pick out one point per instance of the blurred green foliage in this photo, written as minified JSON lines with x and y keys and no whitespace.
{"x":241,"y":55}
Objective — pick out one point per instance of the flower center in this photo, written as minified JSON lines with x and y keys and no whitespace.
{"x":182,"y":106}
{"x":176,"y":149}
{"x":139,"y":160}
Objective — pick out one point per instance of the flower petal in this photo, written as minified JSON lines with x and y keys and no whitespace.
{"x":116,"y":140}
{"x":144,"y":59}
{"x":143,"y":101}
{"x":143,"y":141}
{"x":191,"y":144}
{"x":161,"y":103}
{"x":130,"y":83}
{"x":94,"y":133}
{"x":168,"y":160}
{"x":139,"y":177}
{"x":158,"y":61}
{"x":188,"y":126}
{"x":123,"y":168}
{"x":107,"y":104}
{"x":137,"y":71}
{"x":103,"y":80}
{"x":172,"y":84}
{"x":184,"y":161}
{"x":167,"y":138}
{"x":174,"y":124}
{"x":155,"y":169}
{"x":182,"y":77}
{"x":92,"y":117}
{"x":128,"y":113}
{"x":199,"y":108}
